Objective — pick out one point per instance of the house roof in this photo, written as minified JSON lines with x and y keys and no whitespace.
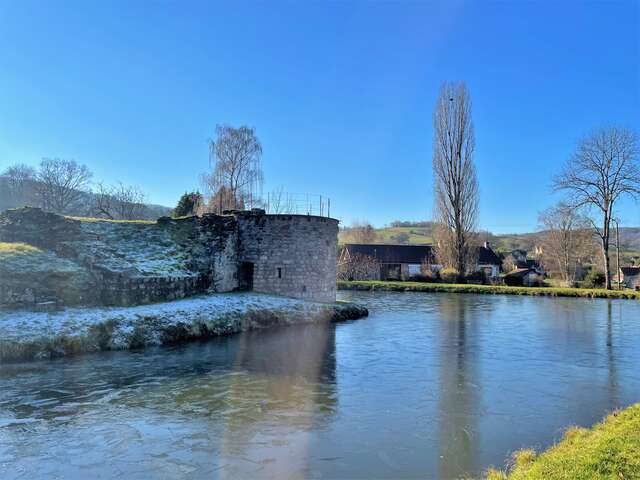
{"x":630,"y":271}
{"x":519,"y":272}
{"x":486,"y":256}
{"x":393,"y":253}
{"x":416,"y":254}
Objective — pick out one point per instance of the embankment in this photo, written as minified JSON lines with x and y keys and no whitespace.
{"x":610,"y":449}
{"x":28,"y":335}
{"x":487,"y":289}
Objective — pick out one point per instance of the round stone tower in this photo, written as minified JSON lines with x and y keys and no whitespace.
{"x":290,"y":255}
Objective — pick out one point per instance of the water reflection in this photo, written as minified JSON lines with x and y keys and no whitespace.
{"x":236,"y":399}
{"x":292,"y":386}
{"x":459,"y":386}
{"x":430,"y":385}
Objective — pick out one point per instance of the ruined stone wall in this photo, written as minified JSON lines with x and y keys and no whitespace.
{"x":97,"y":262}
{"x":115,"y":263}
{"x":292,"y":255}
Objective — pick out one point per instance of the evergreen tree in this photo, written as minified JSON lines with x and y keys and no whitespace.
{"x":188,"y":204}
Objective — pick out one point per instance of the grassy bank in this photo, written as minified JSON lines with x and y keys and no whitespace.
{"x":488,"y":289}
{"x":610,"y":449}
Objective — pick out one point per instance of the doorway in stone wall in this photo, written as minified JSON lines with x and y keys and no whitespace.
{"x":245,"y":282}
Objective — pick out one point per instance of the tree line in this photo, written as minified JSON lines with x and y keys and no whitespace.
{"x":65,"y":187}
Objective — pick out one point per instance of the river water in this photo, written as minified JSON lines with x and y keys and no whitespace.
{"x":429,"y":386}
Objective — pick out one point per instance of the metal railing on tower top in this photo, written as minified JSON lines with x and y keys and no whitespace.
{"x":279,"y":202}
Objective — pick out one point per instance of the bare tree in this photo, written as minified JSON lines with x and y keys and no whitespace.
{"x":361,"y":232}
{"x":119,"y":202}
{"x":103,"y":201}
{"x":20,"y":182}
{"x":221,"y":200}
{"x":357,"y":267}
{"x":130,"y":202}
{"x":509,"y":264}
{"x":61,"y":184}
{"x":455,"y":182}
{"x":237,"y":173}
{"x":565,"y":240}
{"x":604,"y":168}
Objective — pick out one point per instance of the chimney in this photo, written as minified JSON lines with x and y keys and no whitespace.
{"x":486,"y":245}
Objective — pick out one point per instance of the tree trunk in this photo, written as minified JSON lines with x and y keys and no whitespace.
{"x":607,"y":274}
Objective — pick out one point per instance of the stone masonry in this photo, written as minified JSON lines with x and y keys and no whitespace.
{"x":292,"y":255}
{"x":95,"y":262}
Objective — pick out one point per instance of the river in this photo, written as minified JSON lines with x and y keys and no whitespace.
{"x":431,"y":385}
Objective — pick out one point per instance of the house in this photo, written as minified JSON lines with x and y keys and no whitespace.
{"x":629,"y":277}
{"x":488,"y":261}
{"x":518,"y":259}
{"x":525,"y":276}
{"x":399,"y":262}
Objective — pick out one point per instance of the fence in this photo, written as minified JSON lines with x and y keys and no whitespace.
{"x":297,"y":204}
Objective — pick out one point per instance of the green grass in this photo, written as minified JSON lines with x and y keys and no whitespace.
{"x":17,"y":248}
{"x":417,"y":235}
{"x":608,"y":450}
{"x":488,"y":289}
{"x":94,"y":219}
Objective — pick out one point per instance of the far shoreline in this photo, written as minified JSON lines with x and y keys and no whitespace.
{"x":399,"y":286}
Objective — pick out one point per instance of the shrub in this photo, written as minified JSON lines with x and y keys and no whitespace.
{"x":449,"y":275}
{"x":594,"y":279}
{"x":476,"y":277}
{"x":426,"y":277}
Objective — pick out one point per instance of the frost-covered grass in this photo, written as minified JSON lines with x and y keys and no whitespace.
{"x":29,"y":334}
{"x":610,"y":449}
{"x":146,"y":248}
{"x":22,"y":258}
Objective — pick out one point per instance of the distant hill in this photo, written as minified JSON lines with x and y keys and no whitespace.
{"x":84,"y":207}
{"x":422,"y":233}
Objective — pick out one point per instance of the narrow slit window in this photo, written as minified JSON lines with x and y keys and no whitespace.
{"x":279,"y":272}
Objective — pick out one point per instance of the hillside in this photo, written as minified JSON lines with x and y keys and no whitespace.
{"x":422,"y":234}
{"x":85,"y":207}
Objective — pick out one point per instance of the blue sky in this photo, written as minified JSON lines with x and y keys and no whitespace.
{"x":341,"y":93}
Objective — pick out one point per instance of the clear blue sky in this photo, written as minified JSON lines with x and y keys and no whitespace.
{"x":341,"y":94}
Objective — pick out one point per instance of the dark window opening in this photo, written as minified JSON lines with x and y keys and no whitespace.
{"x":279,"y":272}
{"x":245,"y":282}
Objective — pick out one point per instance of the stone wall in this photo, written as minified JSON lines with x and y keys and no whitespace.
{"x":292,"y":255}
{"x":131,"y":263}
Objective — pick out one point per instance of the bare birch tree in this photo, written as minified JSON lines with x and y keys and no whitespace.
{"x":61,"y":184}
{"x":455,"y":183}
{"x":223,"y":199}
{"x":604,"y":168}
{"x":235,"y":157}
{"x":566,"y":238}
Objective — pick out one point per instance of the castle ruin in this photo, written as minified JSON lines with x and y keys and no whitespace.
{"x":72,"y":261}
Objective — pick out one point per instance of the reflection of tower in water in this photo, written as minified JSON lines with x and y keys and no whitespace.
{"x":285,"y":381}
{"x":460,"y":396}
